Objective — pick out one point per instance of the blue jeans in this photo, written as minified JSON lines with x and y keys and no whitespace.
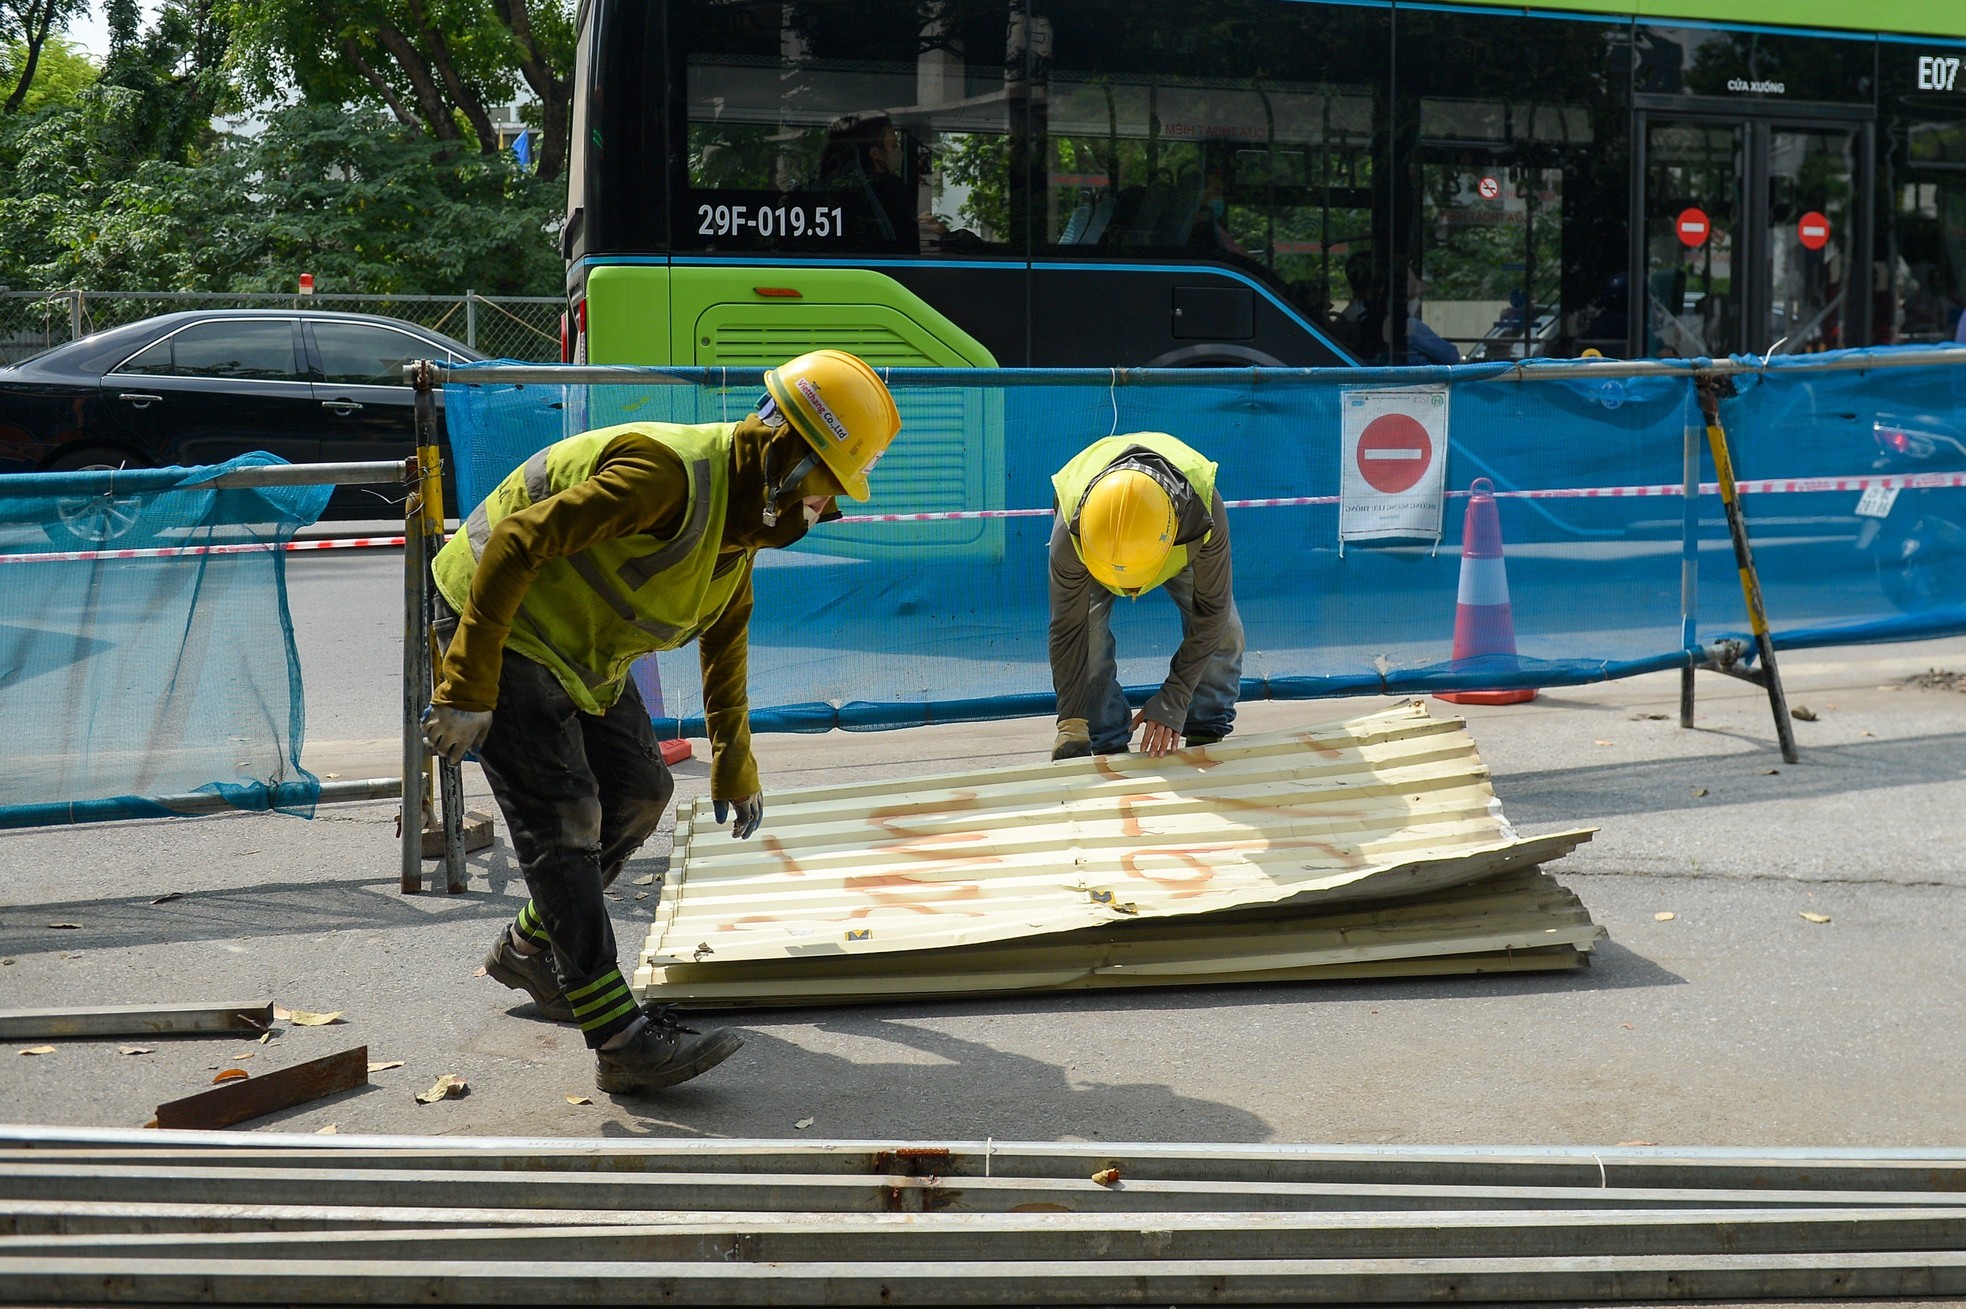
{"x":1212,"y":710}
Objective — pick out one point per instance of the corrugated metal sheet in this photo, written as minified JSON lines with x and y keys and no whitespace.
{"x":1118,"y":871}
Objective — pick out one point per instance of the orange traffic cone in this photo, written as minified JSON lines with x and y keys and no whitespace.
{"x":1484,"y":628}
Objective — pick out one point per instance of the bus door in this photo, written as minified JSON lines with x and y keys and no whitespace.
{"x":1747,"y":236}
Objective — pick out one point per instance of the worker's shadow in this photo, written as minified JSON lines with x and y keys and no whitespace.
{"x":897,"y":1080}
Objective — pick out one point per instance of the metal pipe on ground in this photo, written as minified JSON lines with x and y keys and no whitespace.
{"x":1613,"y":1278}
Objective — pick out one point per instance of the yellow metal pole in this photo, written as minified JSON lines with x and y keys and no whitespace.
{"x":1737,"y":527}
{"x":430,"y":498}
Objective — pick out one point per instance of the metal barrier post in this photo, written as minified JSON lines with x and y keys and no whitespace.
{"x":415,"y":687}
{"x":430,"y":502}
{"x":1737,"y":526}
{"x":471,"y":319}
{"x":1689,"y":568}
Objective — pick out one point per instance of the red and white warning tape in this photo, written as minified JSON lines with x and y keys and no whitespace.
{"x":1769,"y":486}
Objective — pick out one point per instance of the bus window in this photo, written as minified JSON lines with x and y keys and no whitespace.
{"x":1250,"y":141}
{"x":1919,"y":273}
{"x":1514,"y":202}
{"x":842,"y":127}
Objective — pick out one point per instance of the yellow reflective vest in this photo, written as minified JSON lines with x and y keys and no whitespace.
{"x":1070,"y":483}
{"x":591,"y":615}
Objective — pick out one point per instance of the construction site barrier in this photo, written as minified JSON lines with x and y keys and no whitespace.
{"x":928,"y":604}
{"x":147,"y":658}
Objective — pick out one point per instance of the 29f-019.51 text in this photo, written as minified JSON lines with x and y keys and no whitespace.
{"x":770,"y":220}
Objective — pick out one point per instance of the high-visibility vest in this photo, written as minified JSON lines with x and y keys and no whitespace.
{"x":1071,"y":482}
{"x":591,"y":615}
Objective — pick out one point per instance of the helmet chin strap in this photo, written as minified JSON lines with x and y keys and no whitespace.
{"x":775,"y":487}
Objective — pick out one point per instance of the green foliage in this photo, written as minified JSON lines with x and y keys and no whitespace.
{"x":360,"y":203}
{"x":62,"y":74}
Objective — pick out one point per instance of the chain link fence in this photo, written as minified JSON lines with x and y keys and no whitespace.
{"x":506,"y":327}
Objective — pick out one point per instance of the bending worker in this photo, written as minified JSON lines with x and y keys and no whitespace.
{"x":599,"y":549}
{"x":1134,"y":513}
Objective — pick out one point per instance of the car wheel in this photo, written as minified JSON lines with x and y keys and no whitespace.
{"x":91,"y":522}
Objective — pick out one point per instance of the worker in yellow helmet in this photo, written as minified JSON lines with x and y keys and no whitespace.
{"x":1134,"y":513}
{"x":599,"y":549}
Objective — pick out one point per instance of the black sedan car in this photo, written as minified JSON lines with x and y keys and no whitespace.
{"x":201,"y":387}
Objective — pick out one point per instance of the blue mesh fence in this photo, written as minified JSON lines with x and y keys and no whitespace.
{"x":146,"y":650}
{"x":928,"y":604}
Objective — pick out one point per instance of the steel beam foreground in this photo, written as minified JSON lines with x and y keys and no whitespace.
{"x":174,"y":1217}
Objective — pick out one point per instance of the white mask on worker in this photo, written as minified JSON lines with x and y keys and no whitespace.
{"x":812,"y":512}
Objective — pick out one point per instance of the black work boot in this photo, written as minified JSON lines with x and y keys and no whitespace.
{"x":662,"y":1053}
{"x":532,"y":973}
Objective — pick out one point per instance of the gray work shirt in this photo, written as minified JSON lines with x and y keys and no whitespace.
{"x":1072,"y":594}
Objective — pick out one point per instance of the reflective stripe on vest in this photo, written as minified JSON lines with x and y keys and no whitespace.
{"x":1071,"y":482}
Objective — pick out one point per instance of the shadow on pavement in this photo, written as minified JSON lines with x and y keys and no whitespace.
{"x":1637,"y":786}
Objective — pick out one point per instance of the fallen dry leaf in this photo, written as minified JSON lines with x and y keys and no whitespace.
{"x":6,"y":963}
{"x":136,"y":1049}
{"x":448,"y":1087}
{"x":39,"y":1049}
{"x":641,"y":895}
{"x":1645,"y":718}
{"x":330,"y":1129}
{"x":1601,"y":742}
{"x":1699,"y":791}
{"x":1626,"y":1026}
{"x":580,"y":1099}
{"x":646,"y":879}
{"x":228,"y":1075}
{"x":1638,"y":1143}
{"x":1867,"y":732}
{"x":266,"y":1036}
{"x":385,"y":1065}
{"x":1803,"y":712}
{"x":1664,"y":916}
{"x":66,"y":927}
{"x":168,"y":896}
{"x":303,"y":1018}
{"x":1814,"y":918}
{"x":331,"y":775}
{"x":803,"y":1123}
{"x":1770,"y":772}
{"x":1107,"y":1177}
{"x":237,"y":1058}
{"x":480,"y":972}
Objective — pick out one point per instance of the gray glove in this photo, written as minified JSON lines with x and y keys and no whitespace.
{"x":453,"y":733}
{"x":1074,"y":739}
{"x":750,"y":812}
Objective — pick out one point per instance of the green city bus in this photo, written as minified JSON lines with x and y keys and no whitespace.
{"x":1040,"y":183}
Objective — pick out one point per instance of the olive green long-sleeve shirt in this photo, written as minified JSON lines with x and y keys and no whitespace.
{"x":639,"y":487}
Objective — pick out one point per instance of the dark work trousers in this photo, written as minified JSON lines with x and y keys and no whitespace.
{"x":580,"y":794}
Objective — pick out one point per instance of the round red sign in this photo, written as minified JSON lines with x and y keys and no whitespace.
{"x":1812,"y":229}
{"x":1490,"y":188}
{"x":1393,"y":452}
{"x":1693,"y":227}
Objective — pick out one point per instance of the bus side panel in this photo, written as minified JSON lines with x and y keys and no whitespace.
{"x":950,"y":453}
{"x":628,"y":315}
{"x":1147,"y":316}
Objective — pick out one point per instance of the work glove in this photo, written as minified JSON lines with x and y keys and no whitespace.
{"x":750,"y":812}
{"x":1074,"y":739}
{"x":454,"y":733}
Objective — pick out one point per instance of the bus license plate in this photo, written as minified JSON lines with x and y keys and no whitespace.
{"x":1876,"y":501}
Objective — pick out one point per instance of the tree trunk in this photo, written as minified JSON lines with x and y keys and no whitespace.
{"x":436,"y":116}
{"x":35,"y":25}
{"x":464,"y":97}
{"x":555,"y":93}
{"x":404,"y":114}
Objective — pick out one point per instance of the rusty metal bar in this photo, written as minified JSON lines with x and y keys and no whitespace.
{"x":283,"y":1088}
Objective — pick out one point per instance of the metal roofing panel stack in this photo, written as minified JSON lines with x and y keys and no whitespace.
{"x":1369,"y":847}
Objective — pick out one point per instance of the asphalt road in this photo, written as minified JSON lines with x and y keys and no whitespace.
{"x":1735,"y":1022}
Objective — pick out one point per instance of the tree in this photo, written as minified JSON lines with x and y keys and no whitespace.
{"x":176,"y":72}
{"x":29,"y":24}
{"x":62,"y":74}
{"x":437,"y":66}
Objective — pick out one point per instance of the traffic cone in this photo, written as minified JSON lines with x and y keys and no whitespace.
{"x":1483,"y":624}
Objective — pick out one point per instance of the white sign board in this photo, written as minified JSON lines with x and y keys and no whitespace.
{"x":1394,"y":478}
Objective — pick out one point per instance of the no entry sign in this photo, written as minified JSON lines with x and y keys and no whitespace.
{"x":1693,"y":227}
{"x":1394,"y":452}
{"x":1394,"y":443}
{"x":1812,"y":229}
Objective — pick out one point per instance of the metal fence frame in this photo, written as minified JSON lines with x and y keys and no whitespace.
{"x":505,"y":326}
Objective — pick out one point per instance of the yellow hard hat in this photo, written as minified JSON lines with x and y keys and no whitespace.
{"x":841,"y":408}
{"x":1126,"y":530}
